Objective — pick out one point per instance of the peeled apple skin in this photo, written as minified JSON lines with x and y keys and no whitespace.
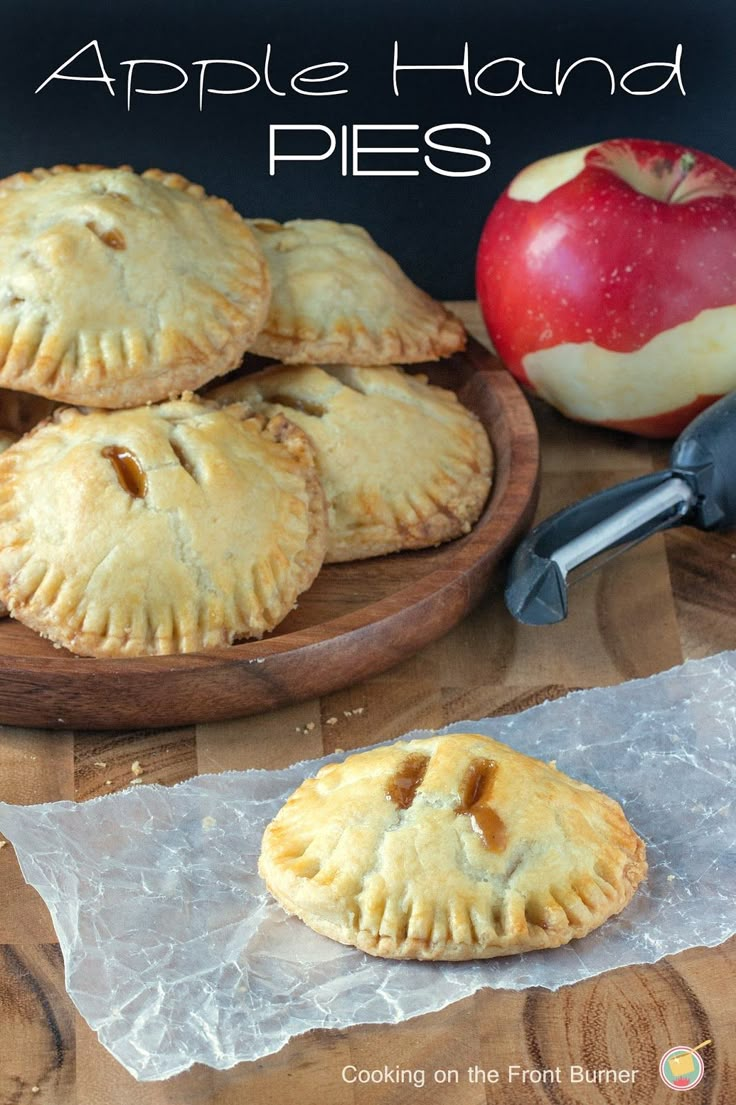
{"x":607,"y":280}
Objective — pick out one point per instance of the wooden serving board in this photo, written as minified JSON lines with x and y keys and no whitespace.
{"x":357,"y":619}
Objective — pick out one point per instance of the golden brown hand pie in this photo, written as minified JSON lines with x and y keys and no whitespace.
{"x":450,"y":847}
{"x":162,"y":529}
{"x":404,"y":464}
{"x":339,"y":299}
{"x":118,"y":289}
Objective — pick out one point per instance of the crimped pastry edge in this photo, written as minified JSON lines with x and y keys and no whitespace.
{"x":385,"y":947}
{"x":360,"y":349}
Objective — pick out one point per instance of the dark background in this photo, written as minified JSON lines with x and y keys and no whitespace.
{"x":431,"y":223}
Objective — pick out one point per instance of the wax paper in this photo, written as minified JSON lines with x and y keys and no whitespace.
{"x":175,"y":954}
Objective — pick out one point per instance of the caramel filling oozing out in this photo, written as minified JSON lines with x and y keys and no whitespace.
{"x":112,"y":238}
{"x":128,"y":469}
{"x":475,"y":793}
{"x":405,"y":782}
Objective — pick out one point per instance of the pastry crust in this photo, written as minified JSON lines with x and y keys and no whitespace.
{"x":7,"y":438}
{"x":163,"y":529}
{"x":339,"y":299}
{"x":404,"y":465}
{"x":450,"y":847}
{"x":118,"y":289}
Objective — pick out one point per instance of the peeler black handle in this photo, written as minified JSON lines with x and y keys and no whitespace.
{"x":705,"y":455}
{"x":536,"y":592}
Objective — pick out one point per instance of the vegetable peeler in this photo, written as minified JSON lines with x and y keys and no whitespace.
{"x":698,"y":489}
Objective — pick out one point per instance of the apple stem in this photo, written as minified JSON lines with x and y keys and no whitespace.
{"x":687,"y":163}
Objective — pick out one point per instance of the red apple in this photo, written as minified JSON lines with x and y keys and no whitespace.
{"x":607,"y":279}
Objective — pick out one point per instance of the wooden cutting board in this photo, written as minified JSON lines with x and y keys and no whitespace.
{"x":671,"y":598}
{"x":356,"y":620}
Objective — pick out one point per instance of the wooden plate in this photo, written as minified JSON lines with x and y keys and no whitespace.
{"x":357,"y":619}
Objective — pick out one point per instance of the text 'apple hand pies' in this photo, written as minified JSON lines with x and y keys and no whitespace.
{"x":404,"y":464}
{"x":339,"y":299}
{"x":162,"y":529}
{"x":450,"y":847}
{"x":118,"y":289}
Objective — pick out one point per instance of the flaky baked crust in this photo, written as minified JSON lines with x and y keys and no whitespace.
{"x":162,"y":529}
{"x":118,"y":289}
{"x":339,"y":299}
{"x":450,"y":847}
{"x":404,"y":465}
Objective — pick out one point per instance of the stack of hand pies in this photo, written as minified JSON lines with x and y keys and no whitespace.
{"x":139,"y":518}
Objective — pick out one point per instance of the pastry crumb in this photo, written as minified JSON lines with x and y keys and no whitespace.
{"x":100,"y":763}
{"x":136,"y":782}
{"x":136,"y":768}
{"x":671,"y":878}
{"x":340,"y":750}
{"x":309,"y":726}
{"x":108,"y":782}
{"x":35,"y":1089}
{"x":358,"y":709}
{"x":3,"y":843}
{"x":208,"y":822}
{"x":331,"y":721}
{"x":552,"y":763}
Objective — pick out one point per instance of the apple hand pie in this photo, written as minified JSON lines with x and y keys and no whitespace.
{"x":339,"y":299}
{"x":161,"y":529}
{"x":450,"y":847}
{"x":404,"y":464}
{"x":118,"y":289}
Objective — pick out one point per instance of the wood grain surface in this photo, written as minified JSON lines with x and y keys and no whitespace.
{"x":356,"y":620}
{"x":668,"y":599}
